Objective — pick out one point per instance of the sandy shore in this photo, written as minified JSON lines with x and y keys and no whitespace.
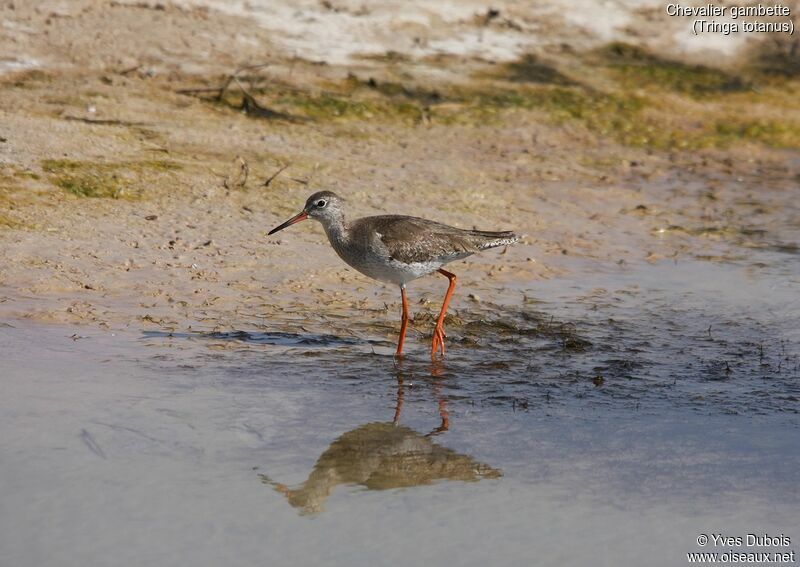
{"x":122,"y":203}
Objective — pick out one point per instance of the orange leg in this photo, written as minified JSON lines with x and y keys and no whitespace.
{"x":438,"y":331}
{"x":403,"y":322}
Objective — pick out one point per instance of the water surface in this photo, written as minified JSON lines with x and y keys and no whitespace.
{"x":606,"y":419}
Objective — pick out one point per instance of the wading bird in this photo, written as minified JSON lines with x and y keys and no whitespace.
{"x":397,"y":249}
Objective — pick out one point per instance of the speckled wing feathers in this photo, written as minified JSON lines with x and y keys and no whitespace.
{"x":412,"y":239}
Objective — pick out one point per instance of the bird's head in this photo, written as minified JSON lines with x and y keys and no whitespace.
{"x":324,"y":206}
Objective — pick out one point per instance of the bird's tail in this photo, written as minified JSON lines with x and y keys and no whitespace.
{"x":488,"y":239}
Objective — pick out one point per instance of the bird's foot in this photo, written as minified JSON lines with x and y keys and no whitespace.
{"x":437,"y":343}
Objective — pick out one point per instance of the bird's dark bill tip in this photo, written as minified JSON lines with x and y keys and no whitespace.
{"x":295,"y":219}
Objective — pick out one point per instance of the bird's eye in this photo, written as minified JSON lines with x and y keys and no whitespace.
{"x":321,"y":203}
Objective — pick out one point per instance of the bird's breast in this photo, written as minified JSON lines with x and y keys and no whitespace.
{"x":370,"y":257}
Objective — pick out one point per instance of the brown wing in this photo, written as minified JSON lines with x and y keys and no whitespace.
{"x":412,"y":239}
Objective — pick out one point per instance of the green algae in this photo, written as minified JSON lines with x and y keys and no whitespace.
{"x":9,"y":222}
{"x":115,"y":180}
{"x":635,"y":67}
{"x":774,"y":133}
{"x":632,"y":96}
{"x":328,"y":106}
{"x":531,"y":69}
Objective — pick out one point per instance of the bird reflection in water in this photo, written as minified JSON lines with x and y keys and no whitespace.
{"x":385,"y":455}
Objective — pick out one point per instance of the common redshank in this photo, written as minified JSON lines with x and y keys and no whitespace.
{"x":397,"y":249}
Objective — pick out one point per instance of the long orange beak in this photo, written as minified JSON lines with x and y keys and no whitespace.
{"x":294,"y":220}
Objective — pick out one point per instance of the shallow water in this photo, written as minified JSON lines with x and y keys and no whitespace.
{"x":606,"y":419}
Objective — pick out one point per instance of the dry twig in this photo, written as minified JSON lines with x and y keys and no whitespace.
{"x":238,"y":176}
{"x":274,"y":175}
